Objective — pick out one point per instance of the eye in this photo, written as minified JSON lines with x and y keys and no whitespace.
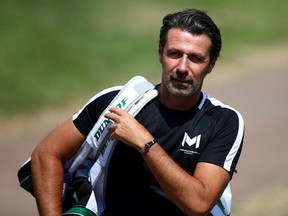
{"x":174,"y":54}
{"x":196,"y":58}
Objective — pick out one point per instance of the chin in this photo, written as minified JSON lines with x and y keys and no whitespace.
{"x":181,"y":93}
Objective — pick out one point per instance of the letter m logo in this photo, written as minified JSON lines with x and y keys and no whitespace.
{"x":194,"y":141}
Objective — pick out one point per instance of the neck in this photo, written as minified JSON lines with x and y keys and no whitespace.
{"x":177,"y":103}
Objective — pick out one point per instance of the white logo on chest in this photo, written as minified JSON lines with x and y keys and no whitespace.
{"x":194,"y":141}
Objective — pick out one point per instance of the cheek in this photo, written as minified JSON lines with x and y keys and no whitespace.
{"x":168,"y":65}
{"x":199,"y":71}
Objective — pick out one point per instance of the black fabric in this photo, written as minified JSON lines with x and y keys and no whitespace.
{"x":131,"y":188}
{"x":24,"y":175}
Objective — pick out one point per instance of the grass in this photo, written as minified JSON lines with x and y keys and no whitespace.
{"x":53,"y":52}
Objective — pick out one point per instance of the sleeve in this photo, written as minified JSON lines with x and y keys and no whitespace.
{"x":225,"y":145}
{"x":86,"y":117}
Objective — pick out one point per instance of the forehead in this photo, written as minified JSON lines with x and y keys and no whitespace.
{"x":187,"y":42}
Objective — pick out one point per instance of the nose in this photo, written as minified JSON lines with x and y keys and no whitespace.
{"x":183,"y":64}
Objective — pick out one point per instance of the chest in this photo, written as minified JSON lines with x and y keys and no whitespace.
{"x":183,"y":135}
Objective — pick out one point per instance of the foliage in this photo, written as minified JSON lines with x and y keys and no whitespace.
{"x":52,"y":52}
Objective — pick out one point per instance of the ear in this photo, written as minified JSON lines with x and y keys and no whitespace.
{"x":160,"y":53}
{"x":211,"y":65}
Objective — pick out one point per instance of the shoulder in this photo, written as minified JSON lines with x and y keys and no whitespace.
{"x":217,"y":109}
{"x":225,"y":120}
{"x":105,"y":96}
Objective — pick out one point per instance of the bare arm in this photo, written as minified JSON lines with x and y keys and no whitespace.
{"x":195,"y":195}
{"x":47,"y":166}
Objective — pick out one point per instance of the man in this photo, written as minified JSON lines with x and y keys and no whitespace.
{"x":194,"y":141}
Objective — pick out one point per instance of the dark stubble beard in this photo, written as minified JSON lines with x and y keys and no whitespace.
{"x":180,"y":91}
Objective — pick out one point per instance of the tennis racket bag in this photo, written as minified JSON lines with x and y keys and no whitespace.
{"x":84,"y":178}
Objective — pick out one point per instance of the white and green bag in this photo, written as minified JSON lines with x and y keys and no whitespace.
{"x":84,"y":179}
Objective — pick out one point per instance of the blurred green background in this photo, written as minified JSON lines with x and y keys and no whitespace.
{"x":54,"y":52}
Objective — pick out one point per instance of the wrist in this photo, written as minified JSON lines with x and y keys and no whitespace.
{"x":147,"y":146}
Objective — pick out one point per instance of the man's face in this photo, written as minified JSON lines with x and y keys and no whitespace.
{"x":185,"y":62}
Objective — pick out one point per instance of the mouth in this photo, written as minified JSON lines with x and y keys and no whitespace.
{"x":181,"y":82}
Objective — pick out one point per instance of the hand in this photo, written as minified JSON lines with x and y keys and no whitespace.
{"x":127,"y":129}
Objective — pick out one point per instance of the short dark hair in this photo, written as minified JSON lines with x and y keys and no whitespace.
{"x":196,"y":22}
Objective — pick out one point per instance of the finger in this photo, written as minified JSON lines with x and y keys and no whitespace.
{"x":112,"y":127}
{"x":112,"y":136}
{"x":117,"y":110}
{"x":112,"y":116}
